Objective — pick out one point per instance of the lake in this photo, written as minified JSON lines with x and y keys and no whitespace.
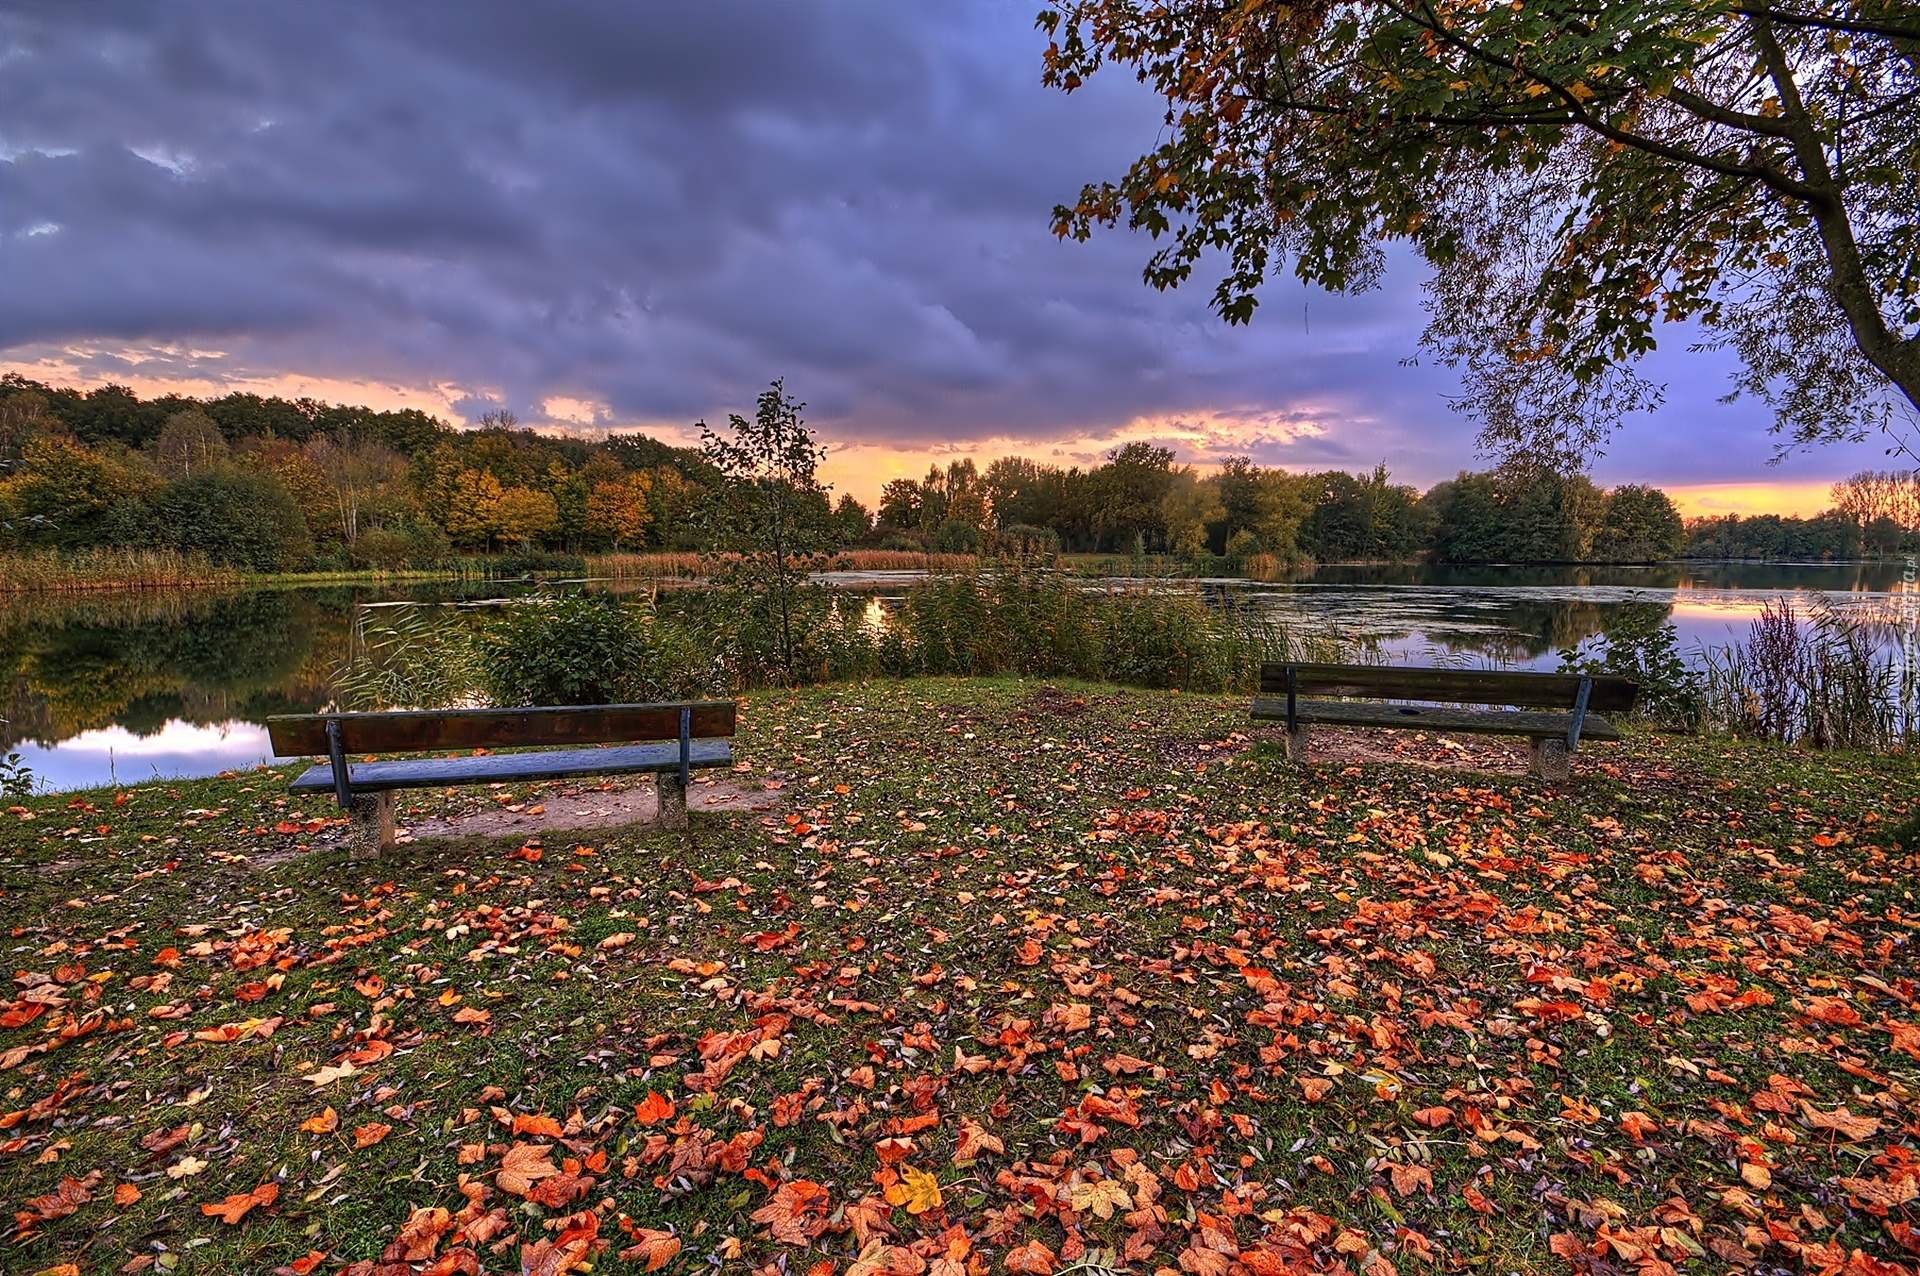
{"x":123,"y":688}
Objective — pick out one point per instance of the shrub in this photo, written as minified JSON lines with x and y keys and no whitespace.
{"x":1638,"y":641}
{"x":585,"y":649}
{"x":244,"y":518}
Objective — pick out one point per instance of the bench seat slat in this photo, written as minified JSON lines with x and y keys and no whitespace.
{"x":416,"y":731}
{"x":1463,"y":686}
{"x":553,"y":764}
{"x":1432,"y":718}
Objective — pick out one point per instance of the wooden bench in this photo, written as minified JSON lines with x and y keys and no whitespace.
{"x":694,"y":735}
{"x":1554,"y":710}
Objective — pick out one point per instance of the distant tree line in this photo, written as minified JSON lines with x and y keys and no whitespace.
{"x":1138,"y":500}
{"x":274,"y":484}
{"x":1874,"y":514}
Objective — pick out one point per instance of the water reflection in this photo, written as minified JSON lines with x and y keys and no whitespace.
{"x":99,"y":687}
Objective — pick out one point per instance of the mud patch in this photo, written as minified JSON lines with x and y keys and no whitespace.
{"x":1347,"y":746}
{"x":587,"y":806}
{"x":1056,"y":702}
{"x":1186,"y":754}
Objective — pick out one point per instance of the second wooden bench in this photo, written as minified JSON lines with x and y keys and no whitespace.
{"x":1555,"y":711}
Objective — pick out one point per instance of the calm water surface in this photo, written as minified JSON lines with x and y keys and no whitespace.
{"x":126,"y":688}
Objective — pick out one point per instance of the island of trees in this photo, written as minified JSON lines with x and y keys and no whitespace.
{"x":278,"y":485}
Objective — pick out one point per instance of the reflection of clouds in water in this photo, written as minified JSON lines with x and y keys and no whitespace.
{"x":116,"y":755}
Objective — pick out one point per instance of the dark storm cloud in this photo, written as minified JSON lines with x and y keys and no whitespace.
{"x":654,"y":207}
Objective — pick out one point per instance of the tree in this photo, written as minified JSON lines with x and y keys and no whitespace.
{"x":1573,"y":174}
{"x":852,"y":523}
{"x":189,"y":444}
{"x":767,"y":512}
{"x":1126,"y":493}
{"x":1640,"y":525}
{"x":472,"y":511}
{"x":527,"y":514}
{"x":1189,"y":509}
{"x":617,"y":509}
{"x":62,"y":493}
{"x":900,"y":505}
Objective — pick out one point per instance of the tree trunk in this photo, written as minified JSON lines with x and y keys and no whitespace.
{"x":1898,"y":359}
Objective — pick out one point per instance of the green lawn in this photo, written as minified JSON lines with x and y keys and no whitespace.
{"x":1021,"y":977}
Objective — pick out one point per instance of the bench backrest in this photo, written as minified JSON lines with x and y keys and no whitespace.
{"x":1450,"y":686}
{"x":419,"y":731}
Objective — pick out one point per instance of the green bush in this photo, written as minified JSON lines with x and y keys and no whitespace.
{"x":586,"y":649}
{"x":1638,"y":641}
{"x":244,"y":518}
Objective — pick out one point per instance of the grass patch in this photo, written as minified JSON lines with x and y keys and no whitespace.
{"x":1021,"y":975}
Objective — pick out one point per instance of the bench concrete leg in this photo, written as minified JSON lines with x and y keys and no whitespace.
{"x":673,"y":800}
{"x":371,"y":830}
{"x":1548,"y":759}
{"x":1297,"y":743}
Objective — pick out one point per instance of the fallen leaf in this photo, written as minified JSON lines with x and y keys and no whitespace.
{"x":326,"y":1123}
{"x":235,"y":1207}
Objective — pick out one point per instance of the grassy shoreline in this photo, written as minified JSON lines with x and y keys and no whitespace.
{"x":1018,"y":975}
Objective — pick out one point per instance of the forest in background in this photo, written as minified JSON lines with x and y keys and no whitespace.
{"x":276,"y":485}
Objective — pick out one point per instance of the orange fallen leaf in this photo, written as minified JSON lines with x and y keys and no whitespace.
{"x":654,"y":1109}
{"x":235,"y":1207}
{"x":326,"y":1123}
{"x":365,"y":1136}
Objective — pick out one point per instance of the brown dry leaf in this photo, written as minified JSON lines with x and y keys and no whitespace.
{"x":1408,"y":1179}
{"x":655,"y":1249}
{"x":125,"y":1194}
{"x":1841,"y":1122}
{"x":235,"y":1207}
{"x":546,"y":1258}
{"x":524,"y":1165}
{"x":472,"y":1014}
{"x":365,"y":1136}
{"x":1316,"y":1088}
{"x":1033,"y":1258}
{"x":1100,"y":1198}
{"x":420,"y":1234}
{"x":973,"y":1141}
{"x":1882,"y":1192}
{"x":796,"y":1212}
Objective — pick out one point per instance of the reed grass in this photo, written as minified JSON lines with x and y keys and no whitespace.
{"x":99,"y":569}
{"x":1836,"y":682}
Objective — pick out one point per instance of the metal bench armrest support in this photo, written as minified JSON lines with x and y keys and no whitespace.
{"x":686,"y":747}
{"x":1579,"y":713}
{"x":337,"y":755}
{"x":1293,"y":722}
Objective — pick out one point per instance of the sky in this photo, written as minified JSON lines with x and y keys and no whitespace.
{"x":606,"y":214}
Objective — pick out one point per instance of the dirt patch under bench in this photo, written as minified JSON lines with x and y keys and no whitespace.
{"x":617,"y":802}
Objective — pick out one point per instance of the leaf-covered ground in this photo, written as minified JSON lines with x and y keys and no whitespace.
{"x":1018,"y":978}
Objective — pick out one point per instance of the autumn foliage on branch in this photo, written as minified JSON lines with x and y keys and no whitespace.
{"x":1573,"y":175}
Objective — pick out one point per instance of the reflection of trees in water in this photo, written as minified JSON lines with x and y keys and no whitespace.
{"x":79,"y":665}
